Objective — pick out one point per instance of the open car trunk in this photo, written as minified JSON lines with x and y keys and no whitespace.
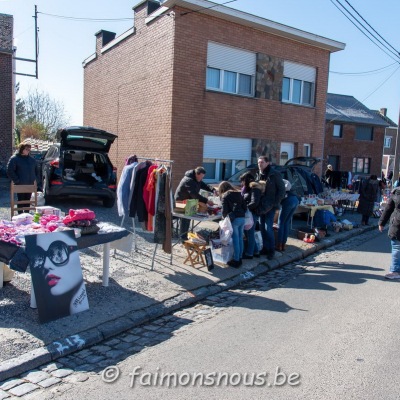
{"x":86,"y":168}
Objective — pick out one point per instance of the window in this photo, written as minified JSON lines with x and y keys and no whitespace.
{"x":307,"y":150}
{"x":224,"y":156}
{"x":388,"y":141}
{"x":364,"y":133}
{"x":337,"y":130}
{"x":230,"y":70}
{"x":361,"y":165}
{"x":298,"y":84}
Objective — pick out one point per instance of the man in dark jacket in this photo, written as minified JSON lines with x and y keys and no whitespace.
{"x":189,"y":188}
{"x":392,"y":214}
{"x":274,"y":194}
{"x":22,"y":169}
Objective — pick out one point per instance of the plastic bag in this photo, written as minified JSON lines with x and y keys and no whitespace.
{"x":225,"y":230}
{"x":248,"y":220}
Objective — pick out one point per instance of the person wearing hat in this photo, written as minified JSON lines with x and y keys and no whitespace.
{"x":329,"y":175}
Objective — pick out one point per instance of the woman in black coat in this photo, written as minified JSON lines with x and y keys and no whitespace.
{"x":392,"y":214}
{"x":251,"y":192}
{"x":368,"y":190}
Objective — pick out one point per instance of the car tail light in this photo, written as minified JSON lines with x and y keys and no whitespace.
{"x":55,"y":163}
{"x":113,"y":187}
{"x":58,"y":182}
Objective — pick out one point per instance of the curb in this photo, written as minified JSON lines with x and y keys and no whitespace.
{"x":61,"y":348}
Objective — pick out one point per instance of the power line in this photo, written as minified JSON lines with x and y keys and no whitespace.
{"x":372,"y":27}
{"x":380,"y":85}
{"x":364,"y":33}
{"x":86,"y":19}
{"x":363,"y":73}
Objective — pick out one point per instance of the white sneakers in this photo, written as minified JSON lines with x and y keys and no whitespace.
{"x":393,"y":275}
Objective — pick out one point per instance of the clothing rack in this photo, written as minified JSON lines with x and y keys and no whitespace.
{"x":170,"y":162}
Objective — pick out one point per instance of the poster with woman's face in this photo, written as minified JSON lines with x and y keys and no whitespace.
{"x":56,"y":274}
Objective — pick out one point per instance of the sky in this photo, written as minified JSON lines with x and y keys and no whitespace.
{"x":362,"y":70}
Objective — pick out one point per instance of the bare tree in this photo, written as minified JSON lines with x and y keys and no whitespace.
{"x":41,"y":110}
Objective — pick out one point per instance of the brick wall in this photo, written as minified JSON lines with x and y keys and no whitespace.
{"x":150,"y":90}
{"x":347,"y":147}
{"x":6,"y":87}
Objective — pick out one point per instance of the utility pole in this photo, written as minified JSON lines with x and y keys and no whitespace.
{"x":36,"y":75}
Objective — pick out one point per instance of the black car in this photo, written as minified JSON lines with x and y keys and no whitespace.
{"x":298,"y":171}
{"x":79,"y":165}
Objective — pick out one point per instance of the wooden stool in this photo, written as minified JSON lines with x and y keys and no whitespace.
{"x":195,"y":253}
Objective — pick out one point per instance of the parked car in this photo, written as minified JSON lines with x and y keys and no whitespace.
{"x":79,"y":165}
{"x":298,"y":171}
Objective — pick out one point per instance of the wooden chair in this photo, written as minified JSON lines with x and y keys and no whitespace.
{"x":23,"y":205}
{"x":195,"y":253}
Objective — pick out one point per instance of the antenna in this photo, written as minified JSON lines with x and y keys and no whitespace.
{"x":36,"y":51}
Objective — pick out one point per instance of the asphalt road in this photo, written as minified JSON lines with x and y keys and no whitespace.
{"x":333,"y":330}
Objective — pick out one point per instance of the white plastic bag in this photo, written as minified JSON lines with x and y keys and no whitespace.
{"x":40,"y":199}
{"x":248,"y":220}
{"x":225,"y":230}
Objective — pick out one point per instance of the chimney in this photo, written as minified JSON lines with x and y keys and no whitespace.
{"x":383,"y":111}
{"x":102,"y":38}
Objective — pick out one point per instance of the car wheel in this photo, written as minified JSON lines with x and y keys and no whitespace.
{"x":109,"y":203}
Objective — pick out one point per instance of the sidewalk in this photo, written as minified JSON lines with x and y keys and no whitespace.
{"x":136,"y":294}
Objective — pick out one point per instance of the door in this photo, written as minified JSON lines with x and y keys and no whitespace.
{"x":287,"y":152}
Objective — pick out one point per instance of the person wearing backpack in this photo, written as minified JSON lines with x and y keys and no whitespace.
{"x":251,"y":192}
{"x":234,"y":206}
{"x":270,"y":202}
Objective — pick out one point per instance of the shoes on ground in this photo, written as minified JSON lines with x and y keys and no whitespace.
{"x":271,"y":255}
{"x":264,"y":252}
{"x":246,"y":257}
{"x":256,"y":255}
{"x":234,"y":264}
{"x":393,"y":275}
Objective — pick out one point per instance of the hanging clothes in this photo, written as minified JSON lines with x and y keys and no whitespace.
{"x":137,"y":206}
{"x":124,"y":189}
{"x":149,"y":195}
{"x":163,"y":217}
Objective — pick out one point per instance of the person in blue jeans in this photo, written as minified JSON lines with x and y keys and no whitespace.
{"x":288,"y":207}
{"x":234,"y":206}
{"x":391,"y":213}
{"x":251,"y":192}
{"x":273,"y":195}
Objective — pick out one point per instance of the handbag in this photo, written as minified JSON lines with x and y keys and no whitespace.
{"x":248,"y":220}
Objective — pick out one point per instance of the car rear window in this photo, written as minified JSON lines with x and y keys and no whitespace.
{"x":83,"y":141}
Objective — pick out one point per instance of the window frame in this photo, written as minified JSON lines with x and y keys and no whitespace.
{"x":389,"y":140}
{"x":221,"y":86}
{"x":290,"y":99}
{"x":340,"y":133}
{"x":366,"y":168}
{"x":361,"y":130}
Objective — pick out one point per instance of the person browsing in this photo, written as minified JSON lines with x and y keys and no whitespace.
{"x":189,"y":188}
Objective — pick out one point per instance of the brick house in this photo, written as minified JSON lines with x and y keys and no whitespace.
{"x":354,"y":136}
{"x":208,"y":85}
{"x":391,"y":145}
{"x":6,"y":87}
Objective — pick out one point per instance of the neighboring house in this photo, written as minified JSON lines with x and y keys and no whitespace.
{"x":390,"y":144}
{"x":6,"y":87}
{"x":208,"y":85}
{"x":354,"y":136}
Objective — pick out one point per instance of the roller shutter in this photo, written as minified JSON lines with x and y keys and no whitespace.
{"x":225,"y":148}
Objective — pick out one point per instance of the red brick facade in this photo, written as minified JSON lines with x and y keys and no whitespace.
{"x":347,"y":147}
{"x":6,"y":87}
{"x":150,"y":89}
